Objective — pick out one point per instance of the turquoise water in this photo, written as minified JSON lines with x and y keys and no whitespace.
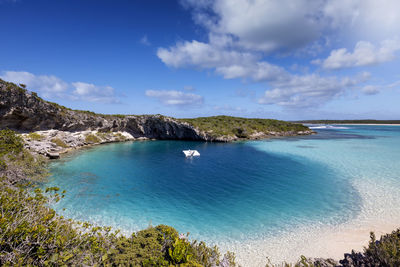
{"x":234,"y":191}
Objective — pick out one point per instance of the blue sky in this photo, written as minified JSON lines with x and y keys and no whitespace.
{"x":270,"y":59}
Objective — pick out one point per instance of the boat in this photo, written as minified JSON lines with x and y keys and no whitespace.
{"x":191,"y":153}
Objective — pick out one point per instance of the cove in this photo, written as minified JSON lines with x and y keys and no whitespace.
{"x":233,"y":191}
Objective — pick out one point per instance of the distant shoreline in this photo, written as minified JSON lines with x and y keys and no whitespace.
{"x":372,"y":124}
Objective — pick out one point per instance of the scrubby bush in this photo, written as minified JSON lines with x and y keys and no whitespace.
{"x":92,"y":139}
{"x":385,"y":251}
{"x":59,"y":142}
{"x":120,"y":137}
{"x":35,"y":136}
{"x":241,"y":127}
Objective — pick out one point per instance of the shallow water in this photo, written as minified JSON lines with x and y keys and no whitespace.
{"x":235,"y":192}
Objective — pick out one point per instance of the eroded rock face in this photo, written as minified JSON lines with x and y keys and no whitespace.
{"x":24,"y":111}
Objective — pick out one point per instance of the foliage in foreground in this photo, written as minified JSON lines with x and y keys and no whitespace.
{"x":31,"y":233}
{"x":241,"y":127}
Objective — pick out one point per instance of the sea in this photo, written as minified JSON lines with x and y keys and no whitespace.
{"x":265,"y":200}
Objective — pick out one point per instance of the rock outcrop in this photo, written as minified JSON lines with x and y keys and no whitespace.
{"x":26,"y":112}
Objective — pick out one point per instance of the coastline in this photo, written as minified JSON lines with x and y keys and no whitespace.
{"x":45,"y":143}
{"x":371,"y":124}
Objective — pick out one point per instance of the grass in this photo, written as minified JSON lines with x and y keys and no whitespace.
{"x":241,"y":127}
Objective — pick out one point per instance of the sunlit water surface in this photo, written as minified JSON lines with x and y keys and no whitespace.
{"x":233,"y":192}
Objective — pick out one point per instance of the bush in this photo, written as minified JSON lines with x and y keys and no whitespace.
{"x":35,"y":136}
{"x":241,"y":127}
{"x":119,"y":137}
{"x":59,"y":142}
{"x":10,"y":143}
{"x":91,"y":139}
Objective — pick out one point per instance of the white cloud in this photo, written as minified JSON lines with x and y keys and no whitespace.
{"x":258,"y":24}
{"x":145,"y":41}
{"x":371,"y":89}
{"x":364,"y":54}
{"x":267,"y":25}
{"x":364,"y":19}
{"x":93,"y":93}
{"x":202,"y":55}
{"x":47,"y":85}
{"x":242,"y":33}
{"x":175,"y":98}
{"x":309,"y":90}
{"x":287,"y":89}
{"x":50,"y":86}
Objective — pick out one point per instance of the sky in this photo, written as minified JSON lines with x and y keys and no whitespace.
{"x":282,"y":59}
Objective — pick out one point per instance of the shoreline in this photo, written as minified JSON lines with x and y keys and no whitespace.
{"x":45,"y":145}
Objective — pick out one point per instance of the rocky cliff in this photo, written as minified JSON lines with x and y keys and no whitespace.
{"x":24,"y":111}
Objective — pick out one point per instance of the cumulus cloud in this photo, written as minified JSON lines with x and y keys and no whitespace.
{"x":202,"y":55}
{"x":93,"y":93}
{"x":309,"y":90}
{"x":364,"y":54}
{"x":47,"y":85}
{"x":50,"y":86}
{"x":370,"y":89}
{"x":242,"y":34}
{"x":364,"y":19}
{"x":287,"y":89}
{"x":275,"y":25}
{"x":259,"y":24}
{"x":175,"y":98}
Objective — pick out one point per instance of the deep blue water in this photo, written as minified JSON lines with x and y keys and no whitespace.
{"x":233,"y":191}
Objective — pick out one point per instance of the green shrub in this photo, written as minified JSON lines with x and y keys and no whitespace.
{"x":91,"y":139}
{"x":10,"y":143}
{"x":241,"y":127}
{"x":59,"y":142}
{"x":35,"y":136}
{"x":119,"y":137}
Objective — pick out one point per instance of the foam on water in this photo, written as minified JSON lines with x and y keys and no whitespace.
{"x":316,"y":196}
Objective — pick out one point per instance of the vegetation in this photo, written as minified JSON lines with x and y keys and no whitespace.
{"x":92,"y":139}
{"x":241,"y":127}
{"x":120,"y":137}
{"x":352,"y":121}
{"x":32,"y":234}
{"x":59,"y":142}
{"x":35,"y":136}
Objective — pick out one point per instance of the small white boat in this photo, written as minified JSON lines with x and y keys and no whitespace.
{"x":191,"y":153}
